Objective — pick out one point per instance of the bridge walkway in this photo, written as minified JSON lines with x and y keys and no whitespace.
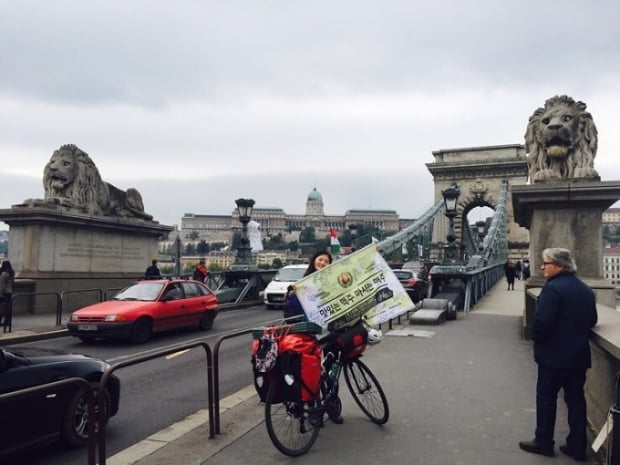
{"x":460,"y":393}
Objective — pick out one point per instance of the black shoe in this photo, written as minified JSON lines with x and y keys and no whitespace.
{"x":579,"y":457}
{"x":535,"y":448}
{"x":336,"y":418}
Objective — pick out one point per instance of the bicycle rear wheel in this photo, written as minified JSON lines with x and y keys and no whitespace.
{"x":288,"y":423}
{"x":366,"y":391}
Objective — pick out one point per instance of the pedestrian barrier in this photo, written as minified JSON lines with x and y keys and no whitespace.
{"x":90,"y":401}
{"x":146,"y":358}
{"x":216,"y":368}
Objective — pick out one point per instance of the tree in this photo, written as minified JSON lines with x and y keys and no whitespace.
{"x":216,"y":246}
{"x":202,"y":248}
{"x":293,"y":246}
{"x":277,"y":263}
{"x":194,"y":235}
{"x":307,"y":235}
{"x":190,"y":249}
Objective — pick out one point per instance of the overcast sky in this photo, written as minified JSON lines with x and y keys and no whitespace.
{"x":197,"y":103}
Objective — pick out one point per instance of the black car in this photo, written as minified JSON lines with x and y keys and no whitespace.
{"x":414,"y":282}
{"x":53,"y":414}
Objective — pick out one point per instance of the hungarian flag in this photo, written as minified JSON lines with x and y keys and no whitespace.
{"x":334,"y":240}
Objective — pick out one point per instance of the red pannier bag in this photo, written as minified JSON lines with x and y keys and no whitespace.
{"x":300,"y":376}
{"x":299,"y":363}
{"x":353,"y":340}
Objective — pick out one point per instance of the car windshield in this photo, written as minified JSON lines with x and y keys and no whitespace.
{"x":403,"y":274}
{"x":290,"y":274}
{"x":140,"y":291}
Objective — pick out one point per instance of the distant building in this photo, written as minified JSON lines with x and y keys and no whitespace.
{"x":611,"y":215}
{"x":611,"y":264}
{"x":274,"y":221}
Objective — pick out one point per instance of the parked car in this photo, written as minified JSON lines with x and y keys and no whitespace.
{"x":144,"y":308}
{"x":414,"y":282}
{"x":275,"y":292}
{"x":56,"y":413}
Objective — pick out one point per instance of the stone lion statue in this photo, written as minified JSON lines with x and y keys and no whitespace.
{"x":561,"y":140}
{"x":72,"y":180}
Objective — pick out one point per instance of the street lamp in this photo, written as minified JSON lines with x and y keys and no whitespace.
{"x":353,"y":231}
{"x":481,"y":227}
{"x":450,"y":198}
{"x":244,"y":251}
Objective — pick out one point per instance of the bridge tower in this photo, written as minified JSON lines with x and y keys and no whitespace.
{"x":479,"y":172}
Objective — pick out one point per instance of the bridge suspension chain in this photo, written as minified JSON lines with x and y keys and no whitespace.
{"x":392,"y":243}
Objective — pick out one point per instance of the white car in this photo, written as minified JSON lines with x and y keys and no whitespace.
{"x":275,"y":292}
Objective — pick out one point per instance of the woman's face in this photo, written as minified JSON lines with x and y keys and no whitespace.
{"x":321,"y":261}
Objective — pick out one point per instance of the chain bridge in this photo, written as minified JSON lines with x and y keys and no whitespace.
{"x":466,"y":261}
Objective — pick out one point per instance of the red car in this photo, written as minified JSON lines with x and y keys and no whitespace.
{"x":144,"y":308}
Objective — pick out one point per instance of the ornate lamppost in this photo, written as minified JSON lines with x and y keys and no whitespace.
{"x":481,"y":227}
{"x":244,"y":260}
{"x":450,"y":198}
{"x":353,"y":231}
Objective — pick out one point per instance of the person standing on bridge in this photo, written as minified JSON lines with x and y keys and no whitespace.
{"x":510,"y":272}
{"x":152,"y":272}
{"x":7,"y":278}
{"x":565,"y":313}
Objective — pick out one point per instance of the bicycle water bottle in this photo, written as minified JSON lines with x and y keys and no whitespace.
{"x":333,"y":370}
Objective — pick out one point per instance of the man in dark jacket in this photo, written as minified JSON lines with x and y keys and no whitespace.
{"x":565,"y":313}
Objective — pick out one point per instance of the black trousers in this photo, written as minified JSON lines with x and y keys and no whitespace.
{"x":550,"y":381}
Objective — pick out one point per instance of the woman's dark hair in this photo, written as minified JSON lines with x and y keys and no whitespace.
{"x":6,"y":266}
{"x":311,"y":268}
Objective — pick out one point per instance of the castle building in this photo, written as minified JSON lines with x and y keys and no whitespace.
{"x":275,"y":221}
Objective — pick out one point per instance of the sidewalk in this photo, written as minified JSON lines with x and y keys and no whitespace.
{"x":463,"y":396}
{"x":460,"y":393}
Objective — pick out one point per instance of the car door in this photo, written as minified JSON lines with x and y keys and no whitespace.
{"x":172,"y":308}
{"x":197,"y":301}
{"x":31,"y":419}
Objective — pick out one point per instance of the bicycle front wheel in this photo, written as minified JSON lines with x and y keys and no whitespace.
{"x":289,"y":424}
{"x":366,"y":391}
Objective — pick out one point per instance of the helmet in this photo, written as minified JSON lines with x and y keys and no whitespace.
{"x":375,"y":336}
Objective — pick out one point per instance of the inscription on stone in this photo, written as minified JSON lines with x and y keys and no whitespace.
{"x":77,"y":250}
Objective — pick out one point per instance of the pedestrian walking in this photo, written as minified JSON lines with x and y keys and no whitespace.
{"x":565,"y":313}
{"x":200,"y":272}
{"x":7,"y":279}
{"x":152,"y":272}
{"x":510,"y":273}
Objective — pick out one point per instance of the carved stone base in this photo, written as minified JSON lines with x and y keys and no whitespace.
{"x":60,"y":251}
{"x":568,"y":215}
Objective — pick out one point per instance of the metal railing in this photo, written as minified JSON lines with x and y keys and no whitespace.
{"x":60,"y":303}
{"x":151,"y":356}
{"x":90,"y":401}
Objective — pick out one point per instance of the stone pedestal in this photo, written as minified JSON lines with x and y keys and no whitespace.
{"x":64,"y":251}
{"x":566,"y":214}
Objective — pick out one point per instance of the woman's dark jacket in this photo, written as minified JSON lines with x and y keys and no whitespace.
{"x":565,"y":312}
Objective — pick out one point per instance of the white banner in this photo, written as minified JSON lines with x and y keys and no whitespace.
{"x":361,"y":284}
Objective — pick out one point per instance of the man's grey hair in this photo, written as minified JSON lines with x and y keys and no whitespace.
{"x":560,"y":257}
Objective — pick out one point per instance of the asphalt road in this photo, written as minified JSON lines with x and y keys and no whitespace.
{"x":160,"y":392}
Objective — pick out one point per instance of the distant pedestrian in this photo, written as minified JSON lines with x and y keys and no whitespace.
{"x":200,"y":272}
{"x":518,"y":269}
{"x":565,"y":313}
{"x":152,"y":272}
{"x":510,"y":272}
{"x":526,"y":269}
{"x":7,"y":279}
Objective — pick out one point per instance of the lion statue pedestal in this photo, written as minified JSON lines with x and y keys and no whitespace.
{"x":85,"y":233}
{"x":564,"y":203}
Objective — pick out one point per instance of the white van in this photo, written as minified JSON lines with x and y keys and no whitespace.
{"x":275,"y":292}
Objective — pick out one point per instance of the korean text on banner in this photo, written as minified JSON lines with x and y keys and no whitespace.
{"x":361,"y":284}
